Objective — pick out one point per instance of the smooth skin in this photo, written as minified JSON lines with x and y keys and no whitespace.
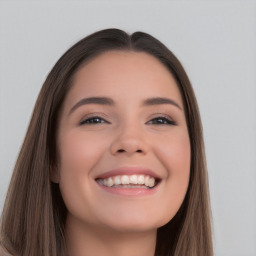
{"x":94,"y":138}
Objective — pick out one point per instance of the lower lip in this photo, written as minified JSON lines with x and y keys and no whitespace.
{"x":129,"y":191}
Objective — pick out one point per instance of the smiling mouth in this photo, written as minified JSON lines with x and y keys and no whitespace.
{"x":129,"y":181}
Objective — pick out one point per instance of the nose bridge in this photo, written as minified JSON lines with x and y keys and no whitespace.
{"x":129,"y":139}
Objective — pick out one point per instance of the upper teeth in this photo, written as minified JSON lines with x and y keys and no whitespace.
{"x":128,"y":179}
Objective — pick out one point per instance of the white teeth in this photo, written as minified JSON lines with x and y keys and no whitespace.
{"x":125,"y":180}
{"x":104,"y":182}
{"x":110,"y":182}
{"x":151,"y":182}
{"x":147,"y":180}
{"x":117,"y":180}
{"x":141,"y":179}
{"x":134,"y":179}
{"x":131,"y":181}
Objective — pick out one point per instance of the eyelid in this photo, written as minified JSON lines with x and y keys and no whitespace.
{"x":94,"y":115}
{"x":105,"y":118}
{"x":163,"y":116}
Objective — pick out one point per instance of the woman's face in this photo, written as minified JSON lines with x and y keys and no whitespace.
{"x":123,"y":144}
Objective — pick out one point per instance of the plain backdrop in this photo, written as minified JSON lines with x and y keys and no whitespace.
{"x":215,"y":41}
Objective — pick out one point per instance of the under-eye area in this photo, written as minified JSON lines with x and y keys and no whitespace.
{"x":129,"y":181}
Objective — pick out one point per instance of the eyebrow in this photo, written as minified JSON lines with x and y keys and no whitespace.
{"x":109,"y":102}
{"x":93,"y":100}
{"x":160,"y":101}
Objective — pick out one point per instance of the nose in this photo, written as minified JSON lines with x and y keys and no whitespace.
{"x":129,"y":141}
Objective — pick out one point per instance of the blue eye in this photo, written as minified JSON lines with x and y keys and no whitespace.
{"x":161,"y":121}
{"x":93,"y":120}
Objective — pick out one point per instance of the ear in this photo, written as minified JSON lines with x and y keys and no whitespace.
{"x":54,"y":174}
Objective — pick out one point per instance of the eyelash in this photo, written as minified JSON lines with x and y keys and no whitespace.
{"x":89,"y":121}
{"x":164,"y":121}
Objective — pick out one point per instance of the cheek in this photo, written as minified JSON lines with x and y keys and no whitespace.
{"x":175,"y":155}
{"x":174,"y":152}
{"x":79,"y":152}
{"x":78,"y":155}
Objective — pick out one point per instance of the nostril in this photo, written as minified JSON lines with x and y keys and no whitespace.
{"x":120,"y":150}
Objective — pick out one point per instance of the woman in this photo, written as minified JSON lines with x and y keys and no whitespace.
{"x":113,"y":161}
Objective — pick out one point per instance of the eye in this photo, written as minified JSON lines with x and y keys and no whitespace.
{"x":93,"y":120}
{"x":161,"y":121}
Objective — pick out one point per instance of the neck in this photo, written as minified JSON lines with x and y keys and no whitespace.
{"x":88,"y":240}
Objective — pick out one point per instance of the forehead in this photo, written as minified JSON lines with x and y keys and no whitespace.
{"x":122,"y":73}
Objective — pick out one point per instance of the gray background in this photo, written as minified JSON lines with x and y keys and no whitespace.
{"x":215,"y":41}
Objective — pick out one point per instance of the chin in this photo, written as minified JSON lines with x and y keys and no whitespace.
{"x":132,"y":227}
{"x":135,"y":222}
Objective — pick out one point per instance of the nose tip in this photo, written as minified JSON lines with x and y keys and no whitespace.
{"x":128,"y":145}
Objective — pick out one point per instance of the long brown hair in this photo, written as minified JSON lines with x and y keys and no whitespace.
{"x":33,"y":218}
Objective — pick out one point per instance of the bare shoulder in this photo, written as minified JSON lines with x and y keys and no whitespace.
{"x":3,"y":252}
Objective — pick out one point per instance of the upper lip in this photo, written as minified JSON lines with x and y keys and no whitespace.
{"x":128,"y":171}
